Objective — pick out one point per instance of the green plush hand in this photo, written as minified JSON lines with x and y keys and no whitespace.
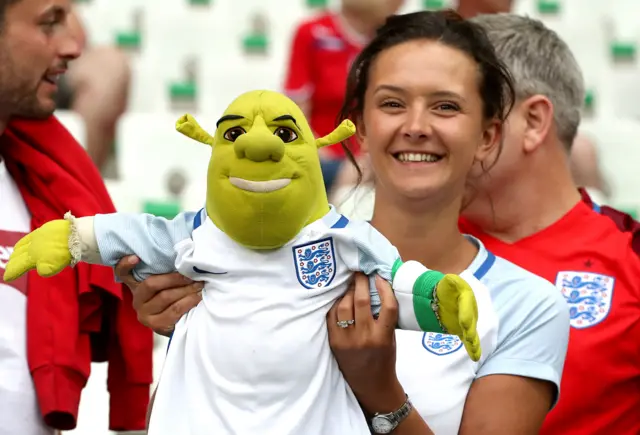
{"x":45,"y":249}
{"x":458,"y":312}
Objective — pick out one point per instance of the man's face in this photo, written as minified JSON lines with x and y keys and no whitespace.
{"x":471,"y":8}
{"x":36,"y":44}
{"x":377,"y":8}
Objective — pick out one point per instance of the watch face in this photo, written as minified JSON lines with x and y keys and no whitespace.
{"x":382,"y":425}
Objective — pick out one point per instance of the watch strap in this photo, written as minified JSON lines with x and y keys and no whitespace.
{"x":396,"y":417}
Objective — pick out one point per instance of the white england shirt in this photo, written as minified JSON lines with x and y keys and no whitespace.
{"x":254,"y":356}
{"x":19,"y":411}
{"x":523,"y":324}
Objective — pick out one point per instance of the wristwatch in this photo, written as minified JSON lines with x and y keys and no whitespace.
{"x":386,"y":423}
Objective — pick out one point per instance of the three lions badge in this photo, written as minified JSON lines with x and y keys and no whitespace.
{"x":588,"y":295}
{"x":315,"y":263}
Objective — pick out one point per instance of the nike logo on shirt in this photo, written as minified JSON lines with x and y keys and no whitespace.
{"x":198,"y":270}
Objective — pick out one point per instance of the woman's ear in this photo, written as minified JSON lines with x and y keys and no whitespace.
{"x":490,"y":141}
{"x":361,"y":133}
{"x":538,"y":111}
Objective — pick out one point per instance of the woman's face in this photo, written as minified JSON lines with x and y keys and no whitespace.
{"x":422,"y":122}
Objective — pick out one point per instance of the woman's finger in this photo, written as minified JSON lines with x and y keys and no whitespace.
{"x":362,"y":302}
{"x":165,"y":300}
{"x":164,"y":321}
{"x":124,"y":269}
{"x":332,"y":325}
{"x":389,"y":304}
{"x":156,"y":286}
{"x":345,"y":307}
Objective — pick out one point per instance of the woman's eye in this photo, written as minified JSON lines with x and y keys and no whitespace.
{"x":447,"y":107}
{"x":233,"y":133}
{"x":392,"y":104}
{"x":286,"y":134}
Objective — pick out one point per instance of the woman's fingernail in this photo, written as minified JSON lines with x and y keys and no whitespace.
{"x":132,"y":259}
{"x":199,"y":285}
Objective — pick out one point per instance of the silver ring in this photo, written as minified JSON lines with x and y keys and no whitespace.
{"x":345,"y":323}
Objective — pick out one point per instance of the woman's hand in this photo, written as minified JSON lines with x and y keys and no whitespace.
{"x":366,"y":350}
{"x":160,"y":300}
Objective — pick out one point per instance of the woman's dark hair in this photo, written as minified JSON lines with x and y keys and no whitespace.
{"x":449,"y":28}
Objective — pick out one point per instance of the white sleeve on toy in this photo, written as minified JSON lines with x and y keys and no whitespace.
{"x":107,"y":238}
{"x":377,"y":256}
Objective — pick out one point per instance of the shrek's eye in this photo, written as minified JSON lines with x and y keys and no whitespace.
{"x":286,"y":134}
{"x":233,"y":133}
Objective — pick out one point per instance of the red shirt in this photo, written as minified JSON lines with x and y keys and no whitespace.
{"x":589,"y":254}
{"x":321,"y":56}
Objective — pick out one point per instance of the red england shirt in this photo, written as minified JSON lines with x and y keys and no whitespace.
{"x":321,"y":55}
{"x":591,"y":255}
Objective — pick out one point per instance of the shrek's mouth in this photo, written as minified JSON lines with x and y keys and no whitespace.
{"x":260,"y":186}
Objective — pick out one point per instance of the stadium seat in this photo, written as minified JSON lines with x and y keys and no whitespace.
{"x":74,"y":123}
{"x":150,"y":152}
{"x":618,"y":141}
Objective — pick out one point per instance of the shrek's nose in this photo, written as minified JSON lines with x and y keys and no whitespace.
{"x":259,"y":144}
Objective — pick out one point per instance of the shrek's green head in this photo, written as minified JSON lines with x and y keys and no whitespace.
{"x":264,"y":182}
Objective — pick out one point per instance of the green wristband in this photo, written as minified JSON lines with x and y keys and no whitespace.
{"x":394,"y":269}
{"x":425,"y":304}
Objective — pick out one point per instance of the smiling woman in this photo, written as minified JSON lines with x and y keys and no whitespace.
{"x":429,"y":97}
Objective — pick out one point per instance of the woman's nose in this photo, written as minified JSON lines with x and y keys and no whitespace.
{"x":417,"y":126}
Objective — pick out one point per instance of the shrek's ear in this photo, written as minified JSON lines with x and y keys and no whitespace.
{"x":344,"y":131}
{"x":188,"y":126}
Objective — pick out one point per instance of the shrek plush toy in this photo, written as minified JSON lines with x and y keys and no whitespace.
{"x":253,"y":357}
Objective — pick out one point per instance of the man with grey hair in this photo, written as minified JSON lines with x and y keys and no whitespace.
{"x":528,"y":210}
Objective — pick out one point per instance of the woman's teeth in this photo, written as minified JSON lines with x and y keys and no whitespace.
{"x":417,"y":157}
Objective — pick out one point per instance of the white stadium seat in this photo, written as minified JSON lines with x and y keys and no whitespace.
{"x":75,"y":124}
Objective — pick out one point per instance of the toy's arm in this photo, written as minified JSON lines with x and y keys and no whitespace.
{"x":428,"y":300}
{"x":106,"y":239}
{"x":101,"y":239}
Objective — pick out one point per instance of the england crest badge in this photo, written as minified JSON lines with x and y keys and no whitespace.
{"x":441,"y":344}
{"x":589,"y":296}
{"x":315,"y":263}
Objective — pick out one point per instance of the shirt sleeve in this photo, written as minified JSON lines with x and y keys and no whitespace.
{"x":299,"y":85}
{"x":372,"y":254}
{"x":375,"y":255}
{"x":533,"y":334}
{"x":150,"y":238}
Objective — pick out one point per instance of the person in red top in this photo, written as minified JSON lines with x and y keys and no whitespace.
{"x":321,"y":54}
{"x":51,"y":330}
{"x":528,"y":210}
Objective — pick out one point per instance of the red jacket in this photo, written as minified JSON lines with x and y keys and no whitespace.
{"x":80,"y":315}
